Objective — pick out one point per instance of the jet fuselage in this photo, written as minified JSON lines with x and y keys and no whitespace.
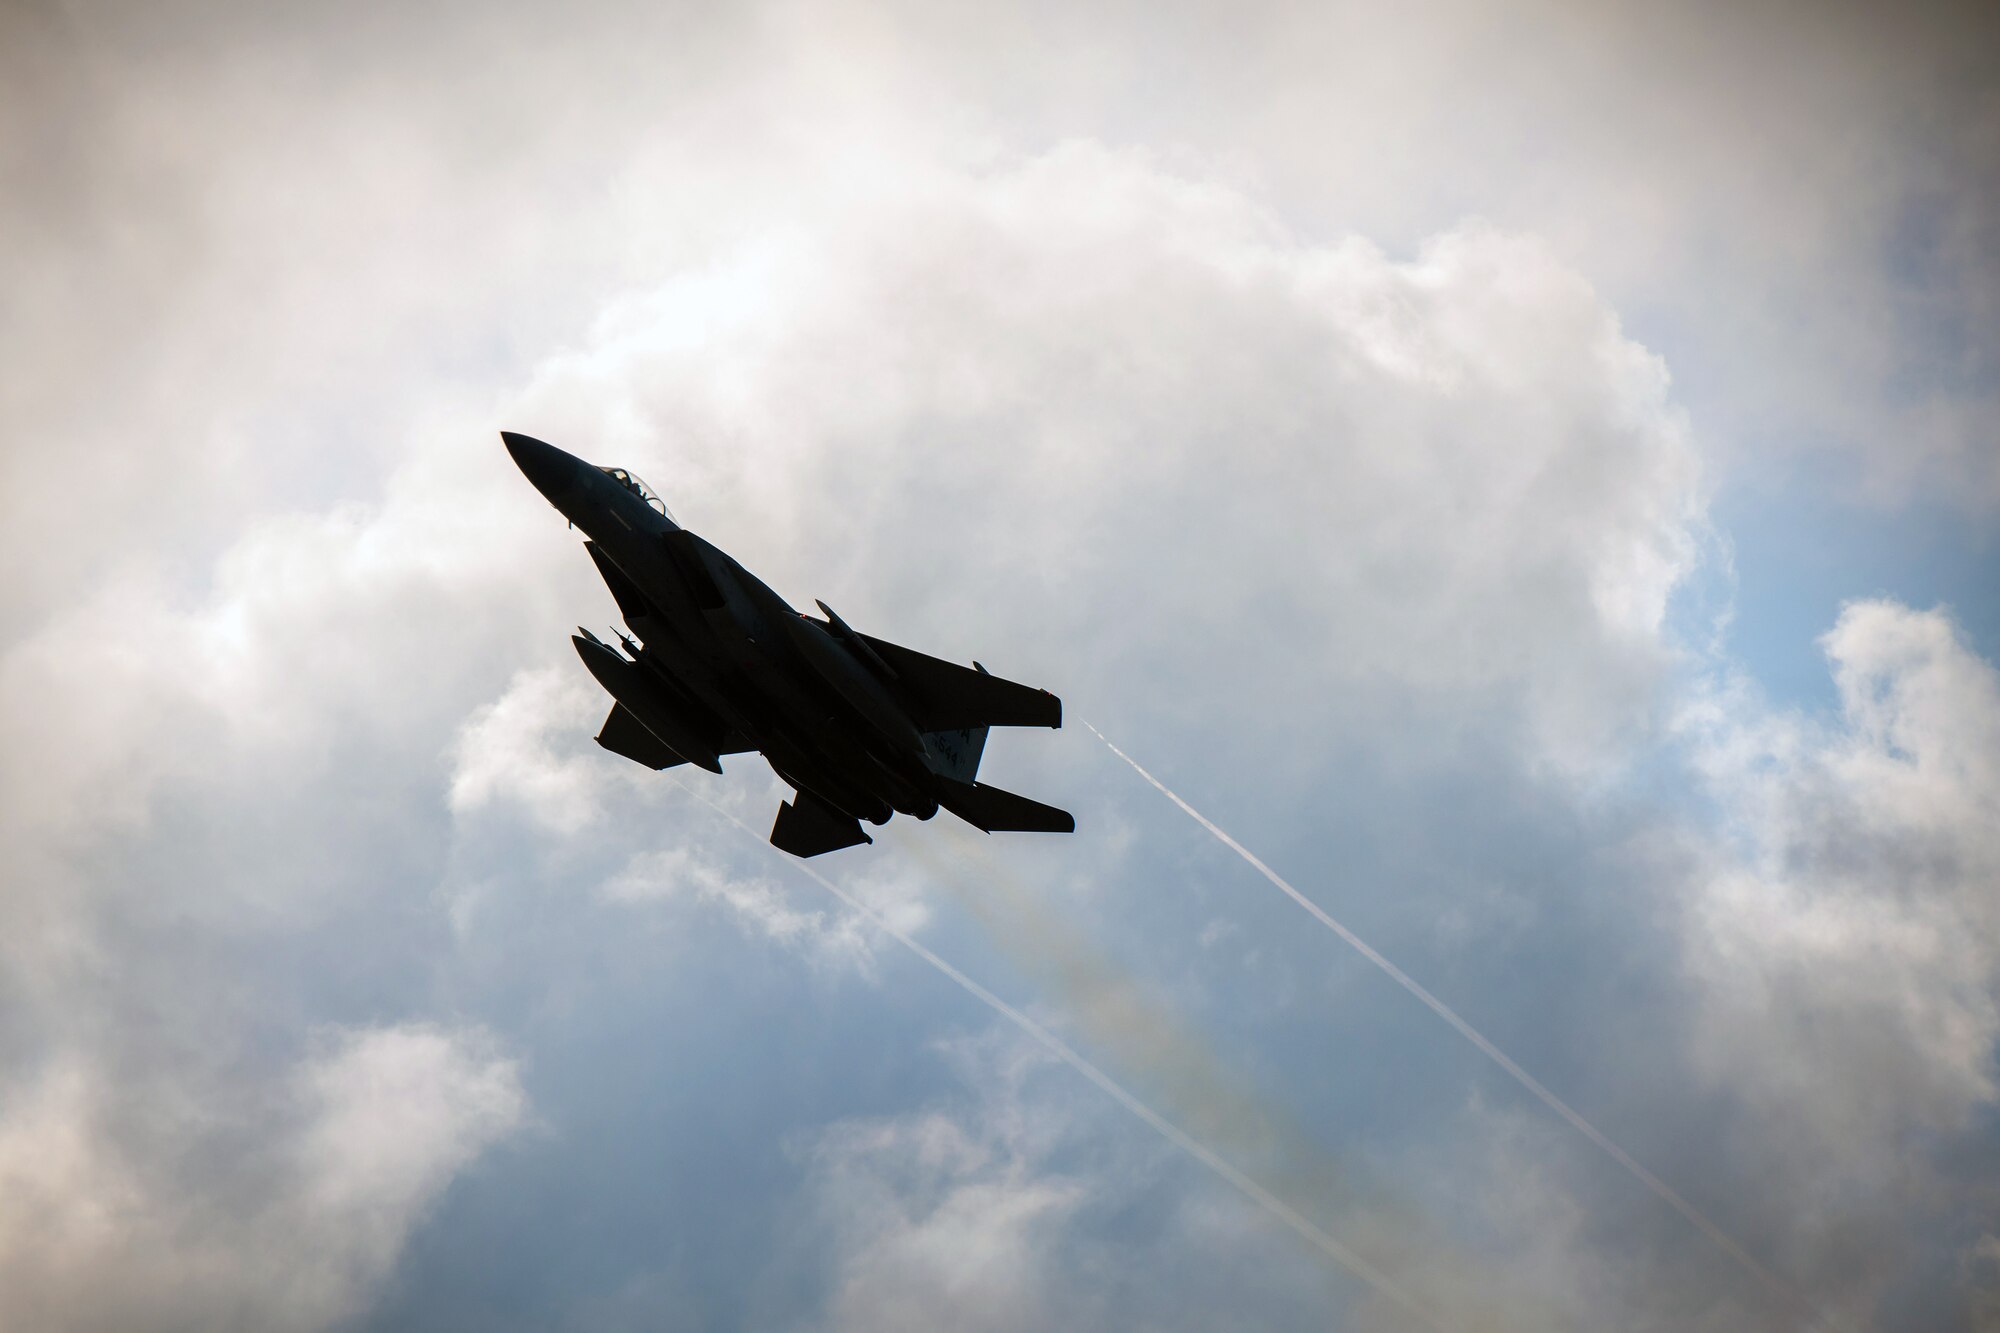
{"x":727,"y":664}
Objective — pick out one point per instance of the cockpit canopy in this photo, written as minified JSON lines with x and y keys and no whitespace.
{"x":640,"y":489}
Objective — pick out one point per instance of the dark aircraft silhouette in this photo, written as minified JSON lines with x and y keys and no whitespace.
{"x":860,"y":727}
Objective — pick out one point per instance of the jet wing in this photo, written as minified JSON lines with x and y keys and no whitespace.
{"x":945,"y":696}
{"x":627,"y":735}
{"x":632,"y":603}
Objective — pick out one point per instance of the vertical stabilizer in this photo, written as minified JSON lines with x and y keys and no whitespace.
{"x":957,"y":751}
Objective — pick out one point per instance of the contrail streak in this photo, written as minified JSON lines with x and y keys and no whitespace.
{"x":1167,"y":1130}
{"x":1665,"y":1192}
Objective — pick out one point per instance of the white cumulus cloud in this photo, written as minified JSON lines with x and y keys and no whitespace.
{"x":1846,"y":937}
{"x":234,"y":1205}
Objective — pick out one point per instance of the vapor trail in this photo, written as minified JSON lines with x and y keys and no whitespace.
{"x":1665,"y":1192}
{"x":1167,"y":1130}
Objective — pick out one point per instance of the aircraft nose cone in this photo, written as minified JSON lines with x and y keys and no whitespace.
{"x":551,"y":470}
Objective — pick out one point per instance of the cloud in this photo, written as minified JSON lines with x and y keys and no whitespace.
{"x":758,"y":902}
{"x":984,"y":1207}
{"x":933,"y":1219}
{"x":239,"y":1205}
{"x":209,"y":795}
{"x":1019,"y":1200}
{"x":1444,"y":482}
{"x":504,"y":752}
{"x":1360,"y":488}
{"x":1174,"y":377}
{"x":1843,"y":939}
{"x":1852,"y":952}
{"x":1793,"y":203}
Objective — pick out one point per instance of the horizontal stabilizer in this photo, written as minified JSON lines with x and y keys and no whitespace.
{"x":625,"y":734}
{"x":949,"y":697}
{"x":998,"y":811}
{"x":808,"y":826}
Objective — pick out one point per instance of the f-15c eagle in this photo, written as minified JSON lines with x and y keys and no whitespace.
{"x":719,"y":664}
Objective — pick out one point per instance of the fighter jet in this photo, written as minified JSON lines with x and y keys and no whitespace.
{"x":718,"y":664}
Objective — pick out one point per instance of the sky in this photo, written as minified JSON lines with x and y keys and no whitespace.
{"x":1526,"y":473}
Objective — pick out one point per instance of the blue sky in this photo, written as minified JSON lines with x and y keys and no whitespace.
{"x":1796,"y":559}
{"x":1527,"y":474}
